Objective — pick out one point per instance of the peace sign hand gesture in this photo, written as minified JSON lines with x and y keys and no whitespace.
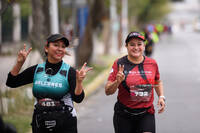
{"x":80,"y":74}
{"x":20,"y":60}
{"x":120,"y":75}
{"x":22,"y":54}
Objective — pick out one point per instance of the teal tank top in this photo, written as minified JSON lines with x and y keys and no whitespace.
{"x":50,"y":86}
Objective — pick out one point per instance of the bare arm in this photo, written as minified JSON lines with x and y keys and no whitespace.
{"x":22,"y":55}
{"x":80,"y":75}
{"x":160,"y":92}
{"x":111,"y":87}
{"x":159,"y":88}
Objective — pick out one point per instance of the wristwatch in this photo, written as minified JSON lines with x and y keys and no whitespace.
{"x":163,"y":97}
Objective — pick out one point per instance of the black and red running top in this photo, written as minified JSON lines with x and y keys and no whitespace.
{"x":136,"y":91}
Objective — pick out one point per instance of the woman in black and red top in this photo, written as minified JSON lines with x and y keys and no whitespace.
{"x":135,"y":76}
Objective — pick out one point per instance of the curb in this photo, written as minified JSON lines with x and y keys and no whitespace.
{"x":93,"y":86}
{"x":100,"y":79}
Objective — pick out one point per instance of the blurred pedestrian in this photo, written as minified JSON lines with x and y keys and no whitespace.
{"x":55,"y":86}
{"x":68,"y":31}
{"x":149,"y":43}
{"x":135,"y":76}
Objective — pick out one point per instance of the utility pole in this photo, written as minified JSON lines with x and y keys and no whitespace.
{"x":30,"y":23}
{"x":74,"y":19}
{"x":114,"y":28}
{"x":0,"y":28}
{"x":17,"y":22}
{"x":54,"y":16}
{"x":124,"y":23}
{"x":124,"y":19}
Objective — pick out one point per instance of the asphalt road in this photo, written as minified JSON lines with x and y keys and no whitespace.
{"x":178,"y":58}
{"x":95,"y":113}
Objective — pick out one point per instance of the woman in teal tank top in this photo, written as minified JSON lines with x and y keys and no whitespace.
{"x":55,"y":86}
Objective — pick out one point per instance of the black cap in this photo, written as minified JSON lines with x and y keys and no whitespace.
{"x":56,"y":37}
{"x":134,"y":35}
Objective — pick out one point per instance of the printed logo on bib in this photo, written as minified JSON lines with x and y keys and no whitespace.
{"x":141,"y":91}
{"x":47,"y":102}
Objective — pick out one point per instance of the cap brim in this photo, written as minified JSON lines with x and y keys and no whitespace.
{"x":65,"y":41}
{"x":61,"y":38}
{"x":135,"y":37}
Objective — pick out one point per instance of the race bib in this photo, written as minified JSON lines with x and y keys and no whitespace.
{"x":47,"y":102}
{"x":141,"y":92}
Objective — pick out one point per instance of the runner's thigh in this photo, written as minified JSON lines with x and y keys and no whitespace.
{"x":147,"y":123}
{"x":122,"y":124}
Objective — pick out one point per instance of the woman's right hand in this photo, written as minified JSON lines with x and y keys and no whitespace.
{"x":120,"y":74}
{"x":111,"y":87}
{"x":22,"y":54}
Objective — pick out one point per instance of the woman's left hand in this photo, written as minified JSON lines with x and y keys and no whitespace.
{"x":161,"y":105}
{"x":80,"y":74}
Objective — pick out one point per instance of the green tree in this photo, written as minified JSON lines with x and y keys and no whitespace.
{"x":5,"y":4}
{"x":155,"y":10}
{"x":145,"y":11}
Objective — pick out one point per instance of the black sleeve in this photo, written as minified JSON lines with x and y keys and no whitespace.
{"x":23,"y":78}
{"x":72,"y":84}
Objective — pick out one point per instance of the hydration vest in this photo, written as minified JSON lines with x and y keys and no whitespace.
{"x":50,"y":86}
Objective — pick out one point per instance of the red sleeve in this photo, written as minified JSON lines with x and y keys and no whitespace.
{"x":113,"y":72}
